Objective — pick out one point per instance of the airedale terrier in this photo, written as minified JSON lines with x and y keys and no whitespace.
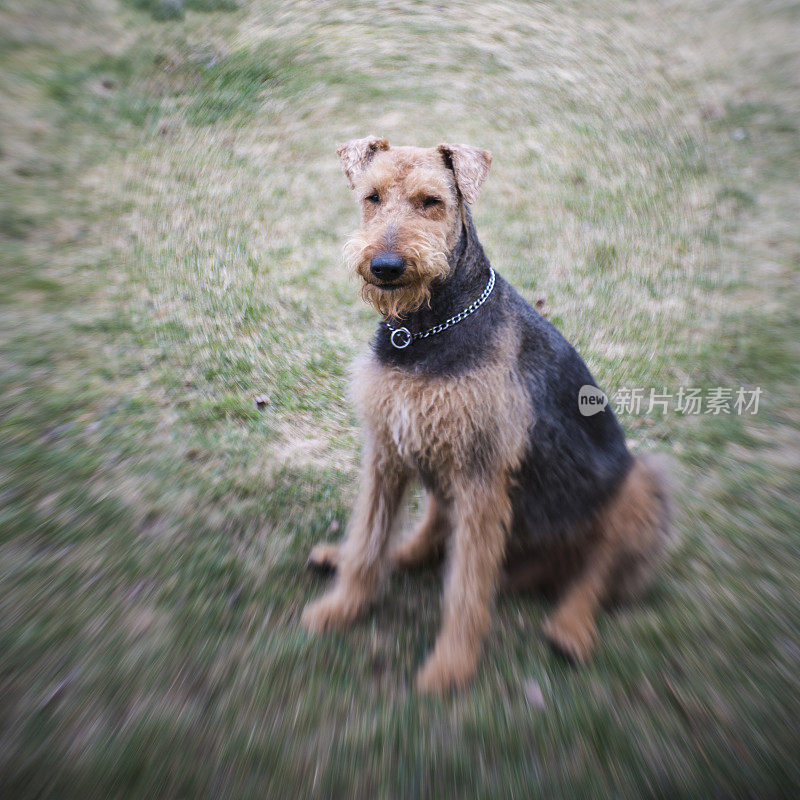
{"x":471,"y":390}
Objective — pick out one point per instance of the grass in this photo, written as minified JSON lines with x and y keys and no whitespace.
{"x":171,"y":220}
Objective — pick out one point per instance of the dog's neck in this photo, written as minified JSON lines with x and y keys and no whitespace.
{"x":464,"y":344}
{"x":466,"y":279}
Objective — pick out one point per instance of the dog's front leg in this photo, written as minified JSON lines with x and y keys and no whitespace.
{"x":363,"y":554}
{"x":482,"y":512}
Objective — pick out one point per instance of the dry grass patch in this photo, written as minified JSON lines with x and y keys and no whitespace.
{"x":170,"y":229}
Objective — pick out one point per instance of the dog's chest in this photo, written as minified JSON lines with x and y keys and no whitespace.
{"x":441,"y":423}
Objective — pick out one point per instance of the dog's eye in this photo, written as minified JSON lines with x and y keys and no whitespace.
{"x":373,"y":198}
{"x":431,"y":201}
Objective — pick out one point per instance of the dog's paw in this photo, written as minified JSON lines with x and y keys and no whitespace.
{"x":441,"y":672}
{"x":573,"y":638}
{"x":324,"y":557}
{"x":329,"y":612}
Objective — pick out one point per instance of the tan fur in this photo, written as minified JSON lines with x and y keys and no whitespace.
{"x":403,"y":177}
{"x":434,"y":422}
{"x":427,"y":540}
{"x":482,"y":513}
{"x":471,"y":166}
{"x":355,"y":155}
{"x":324,"y":555}
{"x":618,"y":558}
{"x":362,"y":557}
{"x":417,"y":548}
{"x":426,"y":260}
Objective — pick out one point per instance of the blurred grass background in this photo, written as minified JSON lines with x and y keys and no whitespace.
{"x":171,"y":221}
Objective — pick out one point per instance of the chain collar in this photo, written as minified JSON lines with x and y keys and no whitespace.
{"x":402,"y":337}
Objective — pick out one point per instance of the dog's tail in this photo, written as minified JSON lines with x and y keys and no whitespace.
{"x":660,"y":471}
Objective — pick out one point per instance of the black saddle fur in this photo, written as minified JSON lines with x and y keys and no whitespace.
{"x":573,"y":463}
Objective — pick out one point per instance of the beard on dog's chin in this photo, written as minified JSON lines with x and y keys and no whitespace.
{"x":426,"y":262}
{"x":396,"y":301}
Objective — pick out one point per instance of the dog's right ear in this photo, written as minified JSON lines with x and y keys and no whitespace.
{"x":355,"y":155}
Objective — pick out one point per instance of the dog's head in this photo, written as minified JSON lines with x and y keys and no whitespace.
{"x":411,"y":202}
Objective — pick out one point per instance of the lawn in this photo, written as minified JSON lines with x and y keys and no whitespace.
{"x":171,"y":220}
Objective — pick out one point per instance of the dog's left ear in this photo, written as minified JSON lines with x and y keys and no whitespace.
{"x":355,"y":155}
{"x":470,"y":165}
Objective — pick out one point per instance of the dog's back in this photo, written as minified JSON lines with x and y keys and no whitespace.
{"x":572,"y":463}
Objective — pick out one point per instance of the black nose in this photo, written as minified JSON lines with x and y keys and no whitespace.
{"x":387,"y":267}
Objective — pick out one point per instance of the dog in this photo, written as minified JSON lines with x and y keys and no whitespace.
{"x":467,"y":388}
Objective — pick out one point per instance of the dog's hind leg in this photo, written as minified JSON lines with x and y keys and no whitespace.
{"x":572,"y":630}
{"x":630,"y":535}
{"x":324,"y":556}
{"x":422,"y":545}
{"x":426,"y":541}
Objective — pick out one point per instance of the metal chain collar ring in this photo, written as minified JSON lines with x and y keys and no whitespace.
{"x":402,"y":337}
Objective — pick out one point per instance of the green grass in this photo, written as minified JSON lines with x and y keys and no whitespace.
{"x":171,"y":219}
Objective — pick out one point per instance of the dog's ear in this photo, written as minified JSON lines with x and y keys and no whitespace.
{"x":355,"y":155}
{"x":470,"y":165}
